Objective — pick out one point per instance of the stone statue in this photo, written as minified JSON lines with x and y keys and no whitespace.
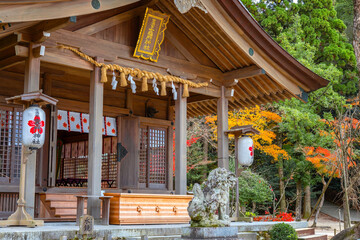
{"x":208,"y":207}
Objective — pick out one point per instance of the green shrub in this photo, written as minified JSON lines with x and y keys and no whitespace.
{"x":254,"y":189}
{"x":283,"y":231}
{"x":250,"y":214}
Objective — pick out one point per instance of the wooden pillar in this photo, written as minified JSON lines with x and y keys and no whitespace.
{"x":31,"y":83}
{"x":180,"y":143}
{"x":170,"y":176}
{"x":223,"y":141}
{"x":95,"y":142}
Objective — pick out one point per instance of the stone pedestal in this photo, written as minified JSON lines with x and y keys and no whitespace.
{"x":215,"y":233}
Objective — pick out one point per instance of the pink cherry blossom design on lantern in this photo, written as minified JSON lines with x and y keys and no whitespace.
{"x":108,"y":123}
{"x":103,"y":130}
{"x":59,"y":117}
{"x":85,"y":120}
{"x":36,"y":125}
{"x":113,"y":130}
{"x":72,"y":119}
{"x":65,"y":125}
{"x":77,"y":126}
{"x":251,"y":151}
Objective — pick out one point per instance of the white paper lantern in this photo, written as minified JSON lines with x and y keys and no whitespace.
{"x":33,"y":127}
{"x":245,"y":151}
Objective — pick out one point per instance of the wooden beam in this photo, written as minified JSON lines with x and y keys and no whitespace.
{"x":90,"y":45}
{"x":114,"y":20}
{"x":15,"y":27}
{"x":32,"y":12}
{"x":68,"y":59}
{"x":242,"y":73}
{"x":123,"y":56}
{"x":14,"y":2}
{"x":41,"y":31}
{"x":39,"y":51}
{"x":20,"y":53}
{"x":78,"y":106}
{"x":12,"y":40}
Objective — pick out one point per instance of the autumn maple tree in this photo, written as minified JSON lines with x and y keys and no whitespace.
{"x":262,"y":120}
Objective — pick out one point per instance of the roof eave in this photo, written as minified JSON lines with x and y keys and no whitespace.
{"x":240,"y":15}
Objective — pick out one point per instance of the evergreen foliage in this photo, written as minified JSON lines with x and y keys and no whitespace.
{"x":313,"y":25}
{"x":254,"y":189}
{"x":283,"y":231}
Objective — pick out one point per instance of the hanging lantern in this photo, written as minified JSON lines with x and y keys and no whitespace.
{"x":245,"y":151}
{"x":33,"y":127}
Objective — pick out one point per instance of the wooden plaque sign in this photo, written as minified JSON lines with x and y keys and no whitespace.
{"x":151,"y":35}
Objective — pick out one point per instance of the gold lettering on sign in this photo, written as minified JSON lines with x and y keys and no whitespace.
{"x":151,"y":35}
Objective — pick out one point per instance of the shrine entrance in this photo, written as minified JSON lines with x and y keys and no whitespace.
{"x":72,"y":151}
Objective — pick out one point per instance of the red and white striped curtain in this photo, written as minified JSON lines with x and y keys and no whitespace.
{"x":79,"y":122}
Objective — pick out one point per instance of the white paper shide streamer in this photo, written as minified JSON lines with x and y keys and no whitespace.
{"x":132,"y":84}
{"x":174,"y":90}
{"x":114,"y":82}
{"x":154,"y":85}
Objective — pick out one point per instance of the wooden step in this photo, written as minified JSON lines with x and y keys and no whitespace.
{"x":65,"y":211}
{"x":60,"y":197}
{"x":64,"y":204}
{"x":305,"y":231}
{"x":314,"y":237}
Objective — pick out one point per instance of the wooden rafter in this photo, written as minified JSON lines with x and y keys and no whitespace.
{"x":192,"y":33}
{"x":242,"y":73}
{"x":171,"y":36}
{"x":55,"y":10}
{"x":209,"y":31}
{"x":241,"y":60}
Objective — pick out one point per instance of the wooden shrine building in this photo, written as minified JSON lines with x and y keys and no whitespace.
{"x":209,"y":56}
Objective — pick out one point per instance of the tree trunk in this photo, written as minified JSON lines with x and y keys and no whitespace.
{"x":298,"y":201}
{"x":253,"y":207}
{"x":205,"y":149}
{"x":321,"y":202}
{"x":282,"y":186}
{"x":307,"y":202}
{"x":346,"y":205}
{"x":356,"y":33}
{"x":347,"y":221}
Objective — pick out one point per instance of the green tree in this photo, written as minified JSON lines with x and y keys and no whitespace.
{"x":345,"y":11}
{"x":253,"y":189}
{"x":320,"y":28}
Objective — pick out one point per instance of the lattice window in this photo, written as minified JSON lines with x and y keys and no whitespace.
{"x":74,"y":164}
{"x":143,"y":155}
{"x":157,"y":161}
{"x":10,"y":144}
{"x":153,"y":157}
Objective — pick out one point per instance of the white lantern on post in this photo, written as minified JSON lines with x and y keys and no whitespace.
{"x":33,"y":127}
{"x":245,"y":153}
{"x":33,"y":136}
